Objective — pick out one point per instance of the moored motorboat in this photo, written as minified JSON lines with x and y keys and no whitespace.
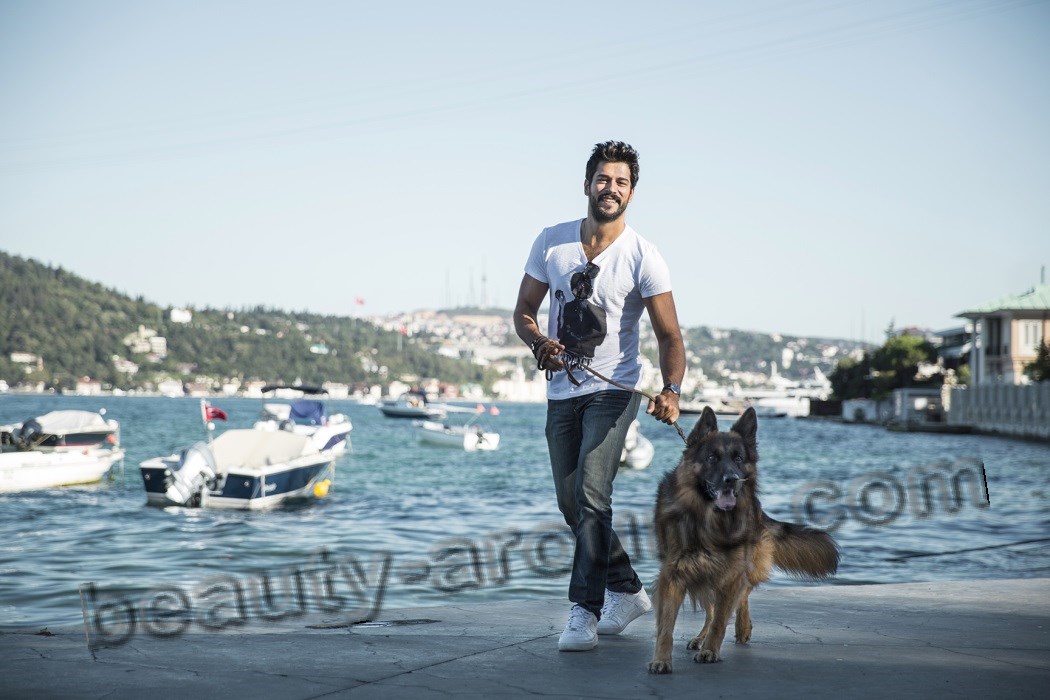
{"x":245,"y":468}
{"x":638,"y":451}
{"x":763,"y":411}
{"x":730,"y":409}
{"x":412,"y":405}
{"x":60,"y":448}
{"x":469,"y":437}
{"x":241,"y":468}
{"x":722,"y":408}
{"x":305,"y":416}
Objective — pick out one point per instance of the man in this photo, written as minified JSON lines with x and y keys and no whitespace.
{"x":600,"y":275}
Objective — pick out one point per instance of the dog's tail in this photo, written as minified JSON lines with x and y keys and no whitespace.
{"x":801,"y":550}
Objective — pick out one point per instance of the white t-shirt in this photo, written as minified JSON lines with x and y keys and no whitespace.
{"x":606,"y":322}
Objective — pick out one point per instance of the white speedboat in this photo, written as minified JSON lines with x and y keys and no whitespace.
{"x":638,"y":451}
{"x":305,"y":416}
{"x":412,"y":405}
{"x":731,"y":408}
{"x":241,"y":468}
{"x":721,"y":407}
{"x":766,"y":411}
{"x":59,"y":448}
{"x":469,"y":437}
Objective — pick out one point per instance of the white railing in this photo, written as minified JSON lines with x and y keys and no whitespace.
{"x":1022,"y":410}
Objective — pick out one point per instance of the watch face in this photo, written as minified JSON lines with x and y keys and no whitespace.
{"x":673,"y":387}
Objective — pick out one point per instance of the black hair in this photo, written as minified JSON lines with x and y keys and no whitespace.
{"x":613,"y":152}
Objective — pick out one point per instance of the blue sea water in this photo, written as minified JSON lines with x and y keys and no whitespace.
{"x":456,"y":527}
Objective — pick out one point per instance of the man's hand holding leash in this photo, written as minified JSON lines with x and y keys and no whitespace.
{"x":664,"y":406}
{"x":548,"y":354}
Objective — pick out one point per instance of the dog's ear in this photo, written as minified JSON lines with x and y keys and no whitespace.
{"x":746,"y":426}
{"x":707,"y":424}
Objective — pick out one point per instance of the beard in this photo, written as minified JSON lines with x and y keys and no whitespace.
{"x":602,"y":216}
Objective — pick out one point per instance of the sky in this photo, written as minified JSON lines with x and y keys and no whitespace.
{"x":807,"y":167}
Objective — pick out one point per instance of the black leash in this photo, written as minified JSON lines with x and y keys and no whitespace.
{"x":587,"y":368}
{"x":599,"y":375}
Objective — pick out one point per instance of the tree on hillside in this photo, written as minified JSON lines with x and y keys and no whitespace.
{"x":11,"y":372}
{"x":852,"y":378}
{"x":78,"y":327}
{"x":1039,"y":369}
{"x":893,"y":366}
{"x":896,"y":364}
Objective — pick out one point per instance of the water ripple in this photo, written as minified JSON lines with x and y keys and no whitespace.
{"x":419,"y":504}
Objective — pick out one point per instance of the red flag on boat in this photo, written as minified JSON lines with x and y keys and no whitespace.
{"x":215,"y":413}
{"x":210,"y":413}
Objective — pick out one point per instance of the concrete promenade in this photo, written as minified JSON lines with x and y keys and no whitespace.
{"x":983,"y":639}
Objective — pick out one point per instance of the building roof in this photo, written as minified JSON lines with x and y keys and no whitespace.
{"x":1035,"y":299}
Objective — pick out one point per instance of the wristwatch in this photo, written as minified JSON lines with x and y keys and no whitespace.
{"x":673,"y":388}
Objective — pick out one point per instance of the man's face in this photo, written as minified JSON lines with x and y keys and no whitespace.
{"x":609,"y":191}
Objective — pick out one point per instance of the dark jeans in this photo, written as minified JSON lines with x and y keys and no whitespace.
{"x":585,"y":437}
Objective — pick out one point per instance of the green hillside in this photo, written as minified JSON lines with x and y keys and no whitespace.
{"x":78,"y":327}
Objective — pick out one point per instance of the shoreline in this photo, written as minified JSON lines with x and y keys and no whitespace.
{"x":972,"y":638}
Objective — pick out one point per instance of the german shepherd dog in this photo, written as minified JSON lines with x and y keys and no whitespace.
{"x":716,"y":544}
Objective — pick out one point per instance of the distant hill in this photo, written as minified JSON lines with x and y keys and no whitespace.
{"x":477,"y":311}
{"x":721,"y":352}
{"x":725,"y":351}
{"x":80,"y":328}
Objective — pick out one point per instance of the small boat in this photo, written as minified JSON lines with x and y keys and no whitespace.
{"x":730,"y":409}
{"x":768,"y":411}
{"x":59,"y":448}
{"x":412,"y":405}
{"x":638,"y":451}
{"x":469,"y":437}
{"x":304,"y":416}
{"x":241,"y":468}
{"x":723,"y":409}
{"x":245,"y":468}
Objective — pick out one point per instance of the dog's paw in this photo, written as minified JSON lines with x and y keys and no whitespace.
{"x":659,"y":667}
{"x":706,"y":656}
{"x":695,"y":642}
{"x":742,"y":628}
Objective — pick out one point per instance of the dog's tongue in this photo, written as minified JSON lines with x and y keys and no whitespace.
{"x":726,"y":499}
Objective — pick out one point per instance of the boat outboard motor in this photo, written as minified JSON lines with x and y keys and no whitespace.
{"x":29,"y":434}
{"x":195,"y":471}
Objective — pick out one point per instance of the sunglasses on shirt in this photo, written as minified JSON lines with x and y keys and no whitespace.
{"x":582,"y":283}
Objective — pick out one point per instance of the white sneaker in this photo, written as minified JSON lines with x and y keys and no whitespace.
{"x":620,"y":609}
{"x":580,"y":631}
